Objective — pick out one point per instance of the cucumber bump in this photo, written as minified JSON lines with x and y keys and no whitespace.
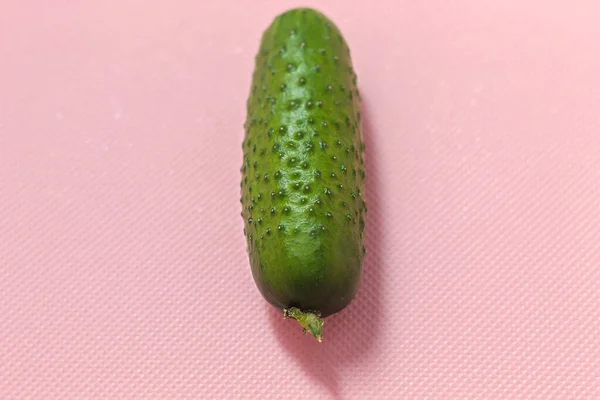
{"x":303,"y":171}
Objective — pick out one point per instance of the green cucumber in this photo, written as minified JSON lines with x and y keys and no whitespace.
{"x":303,"y":171}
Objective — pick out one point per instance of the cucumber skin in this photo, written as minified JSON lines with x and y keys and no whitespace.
{"x":303,"y":171}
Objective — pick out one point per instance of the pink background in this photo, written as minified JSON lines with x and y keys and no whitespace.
{"x":123,"y":270}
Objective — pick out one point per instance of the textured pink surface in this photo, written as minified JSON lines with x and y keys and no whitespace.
{"x":123,"y":271}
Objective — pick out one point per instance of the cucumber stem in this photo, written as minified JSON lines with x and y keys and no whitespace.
{"x":309,"y":321}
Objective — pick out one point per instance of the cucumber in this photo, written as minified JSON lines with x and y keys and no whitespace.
{"x":303,"y":171}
